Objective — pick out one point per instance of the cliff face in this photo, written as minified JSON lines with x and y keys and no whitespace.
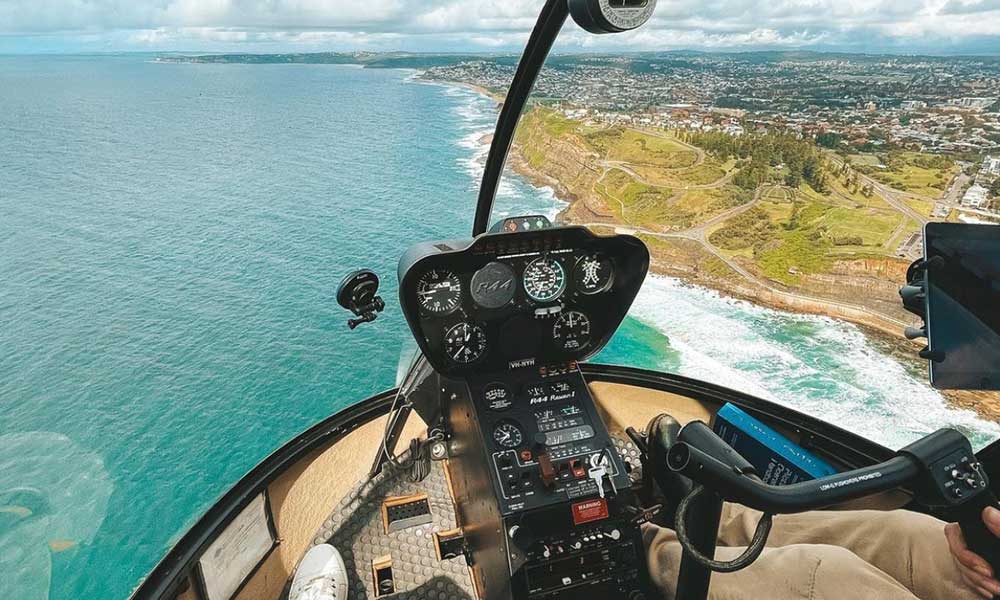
{"x":563,"y":163}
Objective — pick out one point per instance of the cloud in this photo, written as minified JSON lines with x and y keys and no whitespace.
{"x":943,"y":25}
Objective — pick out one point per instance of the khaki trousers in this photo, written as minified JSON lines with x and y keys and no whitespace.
{"x":823,"y":555}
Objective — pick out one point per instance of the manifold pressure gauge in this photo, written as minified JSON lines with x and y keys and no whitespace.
{"x":465,"y":343}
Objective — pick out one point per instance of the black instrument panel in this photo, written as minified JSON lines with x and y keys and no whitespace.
{"x":507,"y":300}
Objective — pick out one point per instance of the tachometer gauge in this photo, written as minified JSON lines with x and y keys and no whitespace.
{"x":439,"y":292}
{"x":507,"y":435}
{"x":593,"y":274}
{"x":465,"y":343}
{"x":571,"y":330}
{"x":544,"y":279}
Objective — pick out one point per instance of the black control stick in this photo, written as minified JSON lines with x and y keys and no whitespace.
{"x":941,"y":468}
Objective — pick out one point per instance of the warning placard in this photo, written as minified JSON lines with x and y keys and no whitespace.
{"x":591,"y":510}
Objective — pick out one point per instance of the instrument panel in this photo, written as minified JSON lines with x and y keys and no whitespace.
{"x":512,"y":299}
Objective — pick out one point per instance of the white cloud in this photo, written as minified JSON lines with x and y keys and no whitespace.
{"x":490,"y":24}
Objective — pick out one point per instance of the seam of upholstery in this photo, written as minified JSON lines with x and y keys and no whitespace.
{"x":909,"y":571}
{"x":812,"y":579}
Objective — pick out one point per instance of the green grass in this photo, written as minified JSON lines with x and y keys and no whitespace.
{"x":795,"y":254}
{"x":557,"y":125}
{"x":924,"y":207}
{"x":865,"y":160}
{"x":922,"y":174}
{"x":752,"y":229}
{"x":872,"y":227}
{"x":638,"y":148}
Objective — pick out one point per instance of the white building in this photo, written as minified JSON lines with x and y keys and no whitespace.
{"x":991,"y":166}
{"x":975,"y":196}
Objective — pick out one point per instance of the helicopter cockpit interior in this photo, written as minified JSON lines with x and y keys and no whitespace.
{"x":507,"y":468}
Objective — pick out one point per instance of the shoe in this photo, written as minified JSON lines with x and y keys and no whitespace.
{"x":661,"y":434}
{"x":320,"y":576}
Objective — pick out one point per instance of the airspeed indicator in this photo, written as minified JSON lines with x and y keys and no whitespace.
{"x":544,"y":279}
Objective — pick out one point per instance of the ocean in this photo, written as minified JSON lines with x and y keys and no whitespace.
{"x":171,"y":239}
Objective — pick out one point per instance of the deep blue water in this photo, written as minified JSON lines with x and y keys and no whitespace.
{"x":171,"y":238}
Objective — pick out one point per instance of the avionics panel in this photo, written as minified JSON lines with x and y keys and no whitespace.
{"x":545,"y":442}
{"x":507,"y":300}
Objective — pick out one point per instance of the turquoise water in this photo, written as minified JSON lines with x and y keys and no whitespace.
{"x":171,"y":237}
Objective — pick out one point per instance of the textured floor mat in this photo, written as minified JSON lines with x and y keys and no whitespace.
{"x":356,"y":529}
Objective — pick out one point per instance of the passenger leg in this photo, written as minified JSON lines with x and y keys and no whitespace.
{"x":795,"y":572}
{"x":909,"y":547}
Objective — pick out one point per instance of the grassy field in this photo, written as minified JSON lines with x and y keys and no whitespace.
{"x":641,"y":149}
{"x":922,"y":174}
{"x":924,"y":207}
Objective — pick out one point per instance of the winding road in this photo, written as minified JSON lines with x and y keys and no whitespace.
{"x":700,"y":232}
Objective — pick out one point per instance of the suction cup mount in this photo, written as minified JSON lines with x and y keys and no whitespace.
{"x":611,"y":16}
{"x":914,"y":297}
{"x":358,"y":294}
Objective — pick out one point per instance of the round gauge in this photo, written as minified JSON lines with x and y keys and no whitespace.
{"x":493,"y":285}
{"x":465,"y":343}
{"x":593,"y":274}
{"x":544,"y":279}
{"x":439,"y":292}
{"x":571,"y":330}
{"x":507,"y":434}
{"x":497,"y":396}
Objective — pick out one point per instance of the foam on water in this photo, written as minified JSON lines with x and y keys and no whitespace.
{"x":477,"y":114}
{"x":817,"y":365}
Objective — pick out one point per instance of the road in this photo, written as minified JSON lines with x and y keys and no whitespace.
{"x":892,"y":197}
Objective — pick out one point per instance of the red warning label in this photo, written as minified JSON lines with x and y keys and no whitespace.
{"x":591,"y":510}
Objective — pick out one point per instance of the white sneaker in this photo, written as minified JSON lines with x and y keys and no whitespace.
{"x":320,"y":576}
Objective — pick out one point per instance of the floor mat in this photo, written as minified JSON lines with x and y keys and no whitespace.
{"x":355,"y":528}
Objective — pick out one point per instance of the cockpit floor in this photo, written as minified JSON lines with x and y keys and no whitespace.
{"x":357,"y":530}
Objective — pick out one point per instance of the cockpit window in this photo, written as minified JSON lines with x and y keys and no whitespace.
{"x":181,"y":194}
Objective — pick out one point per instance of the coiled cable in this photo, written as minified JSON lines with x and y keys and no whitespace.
{"x":742,"y":561}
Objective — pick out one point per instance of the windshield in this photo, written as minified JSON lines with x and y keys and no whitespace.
{"x":174,"y":225}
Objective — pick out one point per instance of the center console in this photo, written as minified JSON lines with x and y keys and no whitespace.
{"x":543,"y":496}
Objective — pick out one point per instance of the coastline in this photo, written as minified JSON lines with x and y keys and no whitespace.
{"x":884,"y":332}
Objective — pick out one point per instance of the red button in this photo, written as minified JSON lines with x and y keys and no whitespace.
{"x":525,"y":455}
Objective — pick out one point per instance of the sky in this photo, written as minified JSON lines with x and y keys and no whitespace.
{"x":897,"y":26}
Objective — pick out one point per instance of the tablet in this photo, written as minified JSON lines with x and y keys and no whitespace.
{"x":963,"y":305}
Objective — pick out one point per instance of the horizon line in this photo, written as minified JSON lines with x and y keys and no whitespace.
{"x":735,"y":50}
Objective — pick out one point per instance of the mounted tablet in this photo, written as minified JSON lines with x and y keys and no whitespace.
{"x":962,"y":283}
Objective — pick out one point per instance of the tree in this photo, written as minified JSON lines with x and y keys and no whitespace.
{"x":995,"y":188}
{"x":828,"y":140}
